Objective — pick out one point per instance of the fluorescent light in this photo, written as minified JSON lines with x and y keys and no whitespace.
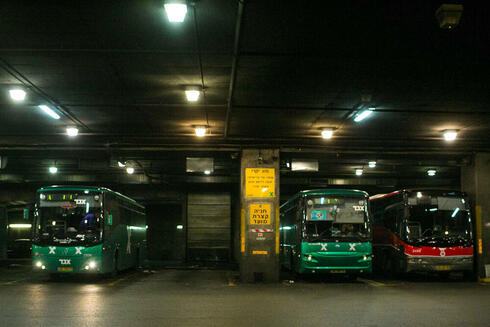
{"x":363,"y":115}
{"x":207,"y":172}
{"x":53,"y":170}
{"x":121,"y":164}
{"x":176,"y":12}
{"x":372,"y":164}
{"x":358,"y":172}
{"x":455,"y":212}
{"x":450,"y":135}
{"x":72,"y":131}
{"x":419,"y":194}
{"x":192,"y":95}
{"x":17,"y":94}
{"x":431,"y":172}
{"x":432,"y":209}
{"x":130,"y":170}
{"x":180,"y":226}
{"x":200,"y":131}
{"x":49,"y":111}
{"x":20,"y":226}
{"x":327,"y":133}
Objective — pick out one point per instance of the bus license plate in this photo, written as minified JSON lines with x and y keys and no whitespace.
{"x":341,"y":271}
{"x":443,"y":267}
{"x":65,"y":268}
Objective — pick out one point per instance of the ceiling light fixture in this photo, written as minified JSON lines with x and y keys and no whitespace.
{"x":207,"y":172}
{"x":17,"y":94}
{"x":192,"y":95}
{"x":372,"y":164}
{"x":431,"y":172}
{"x":53,"y":170}
{"x":176,"y":10}
{"x":327,"y":133}
{"x":363,"y":115}
{"x":359,"y":172}
{"x":130,"y":170}
{"x":200,"y":131}
{"x":72,"y":131}
{"x":49,"y":111}
{"x":450,"y":135}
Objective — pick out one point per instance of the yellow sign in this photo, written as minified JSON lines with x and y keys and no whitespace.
{"x":260,"y":182}
{"x":259,"y":252}
{"x":260,"y":214}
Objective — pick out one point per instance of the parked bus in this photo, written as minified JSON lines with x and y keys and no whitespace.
{"x":326,"y":231}
{"x":422,"y":230}
{"x":82,"y":229}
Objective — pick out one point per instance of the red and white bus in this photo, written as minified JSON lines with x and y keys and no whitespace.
{"x":422,"y":230}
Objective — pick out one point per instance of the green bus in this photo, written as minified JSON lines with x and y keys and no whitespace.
{"x":89,"y":230}
{"x":326,"y":231}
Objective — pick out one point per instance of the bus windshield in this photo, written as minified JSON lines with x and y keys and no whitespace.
{"x":335,"y":217}
{"x":438,"y":218}
{"x":72,"y":221}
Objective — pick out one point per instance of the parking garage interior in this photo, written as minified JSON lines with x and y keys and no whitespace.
{"x":377,"y":96}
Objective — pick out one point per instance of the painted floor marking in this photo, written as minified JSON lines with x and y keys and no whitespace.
{"x":375,"y":283}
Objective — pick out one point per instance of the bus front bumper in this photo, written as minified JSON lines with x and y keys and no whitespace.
{"x":439,"y":264}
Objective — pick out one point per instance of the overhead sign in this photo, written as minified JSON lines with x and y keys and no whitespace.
{"x":260,"y":182}
{"x":260,"y":214}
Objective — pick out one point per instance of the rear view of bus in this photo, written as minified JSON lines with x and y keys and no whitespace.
{"x":327,"y":231}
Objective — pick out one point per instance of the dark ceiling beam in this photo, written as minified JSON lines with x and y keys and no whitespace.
{"x":236,"y":46}
{"x":112,"y":51}
{"x":33,"y":87}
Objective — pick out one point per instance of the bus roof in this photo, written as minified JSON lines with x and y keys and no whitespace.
{"x":86,"y":188}
{"x":326,"y":192}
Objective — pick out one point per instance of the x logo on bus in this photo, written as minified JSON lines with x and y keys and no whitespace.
{"x":78,"y":250}
{"x":51,"y":249}
{"x":352,"y":246}
{"x":324,"y":246}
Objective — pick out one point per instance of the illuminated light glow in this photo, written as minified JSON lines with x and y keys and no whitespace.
{"x":419,"y":194}
{"x":121,"y":164}
{"x":53,"y":223}
{"x":53,"y":170}
{"x":130,"y":170}
{"x":192,"y":95}
{"x":446,"y":232}
{"x":43,"y":267}
{"x":327,"y":133}
{"x":265,"y":189}
{"x":450,"y":135}
{"x":180,"y":226}
{"x":433,"y":209}
{"x":87,"y":267}
{"x":207,"y":172}
{"x":431,"y":172}
{"x":17,"y":94}
{"x":200,"y":131}
{"x":363,"y":115}
{"x":39,"y":264}
{"x":136,"y":228}
{"x":286,"y":228}
{"x":71,"y":131}
{"x":455,"y":212}
{"x":20,"y":226}
{"x":49,"y":111}
{"x":359,"y":172}
{"x":176,"y":12}
{"x":372,"y":164}
{"x":92,"y":264}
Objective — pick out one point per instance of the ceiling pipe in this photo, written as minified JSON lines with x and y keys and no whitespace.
{"x":231,"y":90}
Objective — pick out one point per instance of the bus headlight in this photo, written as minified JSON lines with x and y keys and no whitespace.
{"x":90,"y":265}
{"x":39,"y":264}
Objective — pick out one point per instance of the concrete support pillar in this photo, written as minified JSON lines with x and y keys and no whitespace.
{"x":259,"y":226}
{"x":475,"y":180}
{"x":3,"y":233}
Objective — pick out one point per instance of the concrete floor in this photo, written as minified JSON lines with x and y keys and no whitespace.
{"x":214,"y":298}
